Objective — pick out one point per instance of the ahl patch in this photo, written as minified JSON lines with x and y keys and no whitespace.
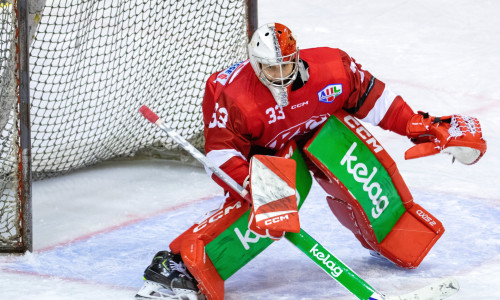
{"x":330,"y":92}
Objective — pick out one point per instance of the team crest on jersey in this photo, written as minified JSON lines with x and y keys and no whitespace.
{"x":225,"y":74}
{"x":330,"y":92}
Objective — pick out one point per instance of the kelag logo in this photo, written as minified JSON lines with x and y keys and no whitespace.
{"x":354,"y":164}
{"x":330,"y":92}
{"x":335,"y":271}
{"x":361,"y":174}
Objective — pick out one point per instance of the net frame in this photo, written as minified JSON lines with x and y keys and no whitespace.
{"x":15,"y":180}
{"x":24,"y":122}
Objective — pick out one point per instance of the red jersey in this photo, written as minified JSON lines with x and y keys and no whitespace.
{"x":242,"y":118}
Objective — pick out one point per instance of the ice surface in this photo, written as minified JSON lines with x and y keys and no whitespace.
{"x":96,"y":230}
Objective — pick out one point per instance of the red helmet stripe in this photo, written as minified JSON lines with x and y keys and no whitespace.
{"x":286,"y":40}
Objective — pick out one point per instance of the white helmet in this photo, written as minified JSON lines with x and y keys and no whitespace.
{"x":274,"y":57}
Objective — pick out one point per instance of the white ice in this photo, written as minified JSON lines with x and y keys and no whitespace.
{"x":95,"y":230}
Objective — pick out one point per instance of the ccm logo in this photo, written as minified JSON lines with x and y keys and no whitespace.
{"x":300,"y":105}
{"x":426,"y":217}
{"x":217,"y":216}
{"x":275,"y":220}
{"x":363,"y":133}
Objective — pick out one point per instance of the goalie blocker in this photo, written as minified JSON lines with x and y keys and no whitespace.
{"x":367,"y":195}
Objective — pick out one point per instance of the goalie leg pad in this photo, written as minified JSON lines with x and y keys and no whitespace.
{"x":346,"y":216}
{"x":226,"y":240}
{"x":369,"y":196}
{"x":411,"y":237}
{"x":209,"y":281}
{"x":191,"y":245}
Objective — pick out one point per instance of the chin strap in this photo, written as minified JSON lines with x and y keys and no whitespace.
{"x":458,"y":135}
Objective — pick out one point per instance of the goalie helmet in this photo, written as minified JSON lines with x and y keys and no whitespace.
{"x":274,"y":57}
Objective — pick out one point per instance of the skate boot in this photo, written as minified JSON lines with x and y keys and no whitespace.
{"x":168,"y":278}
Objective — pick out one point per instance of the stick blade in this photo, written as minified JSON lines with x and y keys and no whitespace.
{"x":148,"y":114}
{"x":441,"y":289}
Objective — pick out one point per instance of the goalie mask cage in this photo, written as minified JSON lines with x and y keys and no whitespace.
{"x":92,"y":64}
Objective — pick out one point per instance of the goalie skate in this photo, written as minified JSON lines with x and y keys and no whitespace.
{"x":167,"y":278}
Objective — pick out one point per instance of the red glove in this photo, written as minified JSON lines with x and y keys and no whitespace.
{"x":457,"y":135}
{"x":272,"y":234}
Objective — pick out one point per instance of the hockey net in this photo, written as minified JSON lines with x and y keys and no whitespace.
{"x":92,"y":65}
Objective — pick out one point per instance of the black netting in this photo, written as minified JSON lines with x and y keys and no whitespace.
{"x":10,"y":231}
{"x":93,"y":63}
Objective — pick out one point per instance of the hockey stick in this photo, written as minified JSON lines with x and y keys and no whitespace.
{"x":315,"y":251}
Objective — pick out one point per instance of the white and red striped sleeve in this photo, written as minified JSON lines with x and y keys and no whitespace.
{"x":372,"y":101}
{"x":225,"y":145}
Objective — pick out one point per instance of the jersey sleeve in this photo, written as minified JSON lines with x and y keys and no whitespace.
{"x":372,"y":101}
{"x":226,"y":143}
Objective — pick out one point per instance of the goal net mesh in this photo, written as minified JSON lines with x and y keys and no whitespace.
{"x":93,"y":64}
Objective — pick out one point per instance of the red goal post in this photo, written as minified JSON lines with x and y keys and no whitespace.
{"x":73,"y":74}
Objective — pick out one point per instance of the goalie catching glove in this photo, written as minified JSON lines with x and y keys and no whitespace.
{"x":457,"y":135}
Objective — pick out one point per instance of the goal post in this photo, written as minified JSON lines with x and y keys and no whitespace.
{"x":24,"y":169}
{"x":15,"y":142}
{"x":70,"y":95}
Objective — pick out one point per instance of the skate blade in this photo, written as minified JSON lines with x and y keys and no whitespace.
{"x":151,"y":290}
{"x":154,"y":290}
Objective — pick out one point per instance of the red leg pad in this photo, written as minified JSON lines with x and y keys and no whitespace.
{"x":413,"y":230}
{"x":211,"y":227}
{"x":350,"y":214}
{"x":412,"y":237}
{"x":345,"y":215}
{"x":191,"y":246}
{"x":209,"y":281}
{"x":406,"y":245}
